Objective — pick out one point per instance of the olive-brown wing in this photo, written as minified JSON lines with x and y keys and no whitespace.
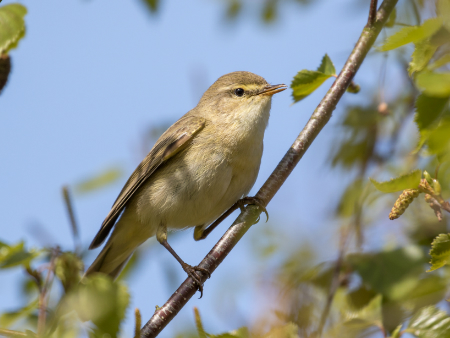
{"x":174,"y":140}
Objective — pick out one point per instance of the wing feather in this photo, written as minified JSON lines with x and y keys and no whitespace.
{"x":171,"y":142}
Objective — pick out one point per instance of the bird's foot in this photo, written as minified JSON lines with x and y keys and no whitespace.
{"x":191,"y":271}
{"x":255,"y":201}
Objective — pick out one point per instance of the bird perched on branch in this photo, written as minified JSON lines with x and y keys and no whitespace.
{"x":198,"y":169}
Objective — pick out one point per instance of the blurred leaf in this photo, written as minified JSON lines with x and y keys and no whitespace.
{"x":357,"y":323}
{"x":423,"y":52}
{"x":384,"y":271}
{"x":428,"y":109}
{"x":234,"y":8}
{"x":443,"y":60}
{"x":430,"y":322}
{"x":440,"y":251}
{"x":360,"y":297}
{"x":269,"y":13}
{"x":307,"y":81}
{"x":11,"y":256}
{"x":68,"y":268}
{"x":5,"y":68}
{"x":443,"y":10}
{"x":361,"y":125}
{"x":428,"y":291}
{"x":407,"y":181}
{"x":9,"y":318}
{"x":289,"y":330}
{"x":152,"y":5}
{"x":100,"y":300}
{"x":326,"y":66}
{"x":396,"y":333}
{"x":12,"y":26}
{"x":350,"y":199}
{"x":239,"y":333}
{"x":438,"y":139}
{"x":104,"y":179}
{"x":412,"y":34}
{"x":392,"y":18}
{"x":371,"y":313}
{"x":434,"y":84}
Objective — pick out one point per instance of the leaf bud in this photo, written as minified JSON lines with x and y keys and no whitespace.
{"x":428,"y":177}
{"x":436,"y":186}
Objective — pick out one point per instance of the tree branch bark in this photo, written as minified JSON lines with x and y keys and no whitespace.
{"x":246,"y":219}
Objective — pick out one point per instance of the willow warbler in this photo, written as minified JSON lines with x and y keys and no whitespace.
{"x":202,"y":165}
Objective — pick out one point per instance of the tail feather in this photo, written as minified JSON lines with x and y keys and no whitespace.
{"x":109,"y":261}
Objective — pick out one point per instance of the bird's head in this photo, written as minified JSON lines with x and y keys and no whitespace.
{"x":239,"y":95}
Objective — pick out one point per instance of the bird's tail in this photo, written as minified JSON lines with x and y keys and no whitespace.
{"x":127,"y":235}
{"x":110,"y":261}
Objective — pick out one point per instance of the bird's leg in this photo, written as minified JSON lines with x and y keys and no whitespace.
{"x":200,"y":233}
{"x":161,"y":236}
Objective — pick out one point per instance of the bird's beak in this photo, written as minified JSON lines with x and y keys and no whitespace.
{"x":270,"y":90}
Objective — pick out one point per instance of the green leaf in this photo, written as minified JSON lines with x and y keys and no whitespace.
{"x":68,"y":267}
{"x":412,"y":34}
{"x":442,"y":61}
{"x":307,"y":81}
{"x":387,"y":272}
{"x":9,"y":318}
{"x":429,"y":322}
{"x":12,"y":26}
{"x":100,"y":300}
{"x":11,"y":256}
{"x":428,"y":109}
{"x":434,"y":84}
{"x":152,"y":5}
{"x":326,"y":66}
{"x":242,"y":332}
{"x":359,"y":322}
{"x":392,"y":18}
{"x":407,"y":181}
{"x":94,"y":183}
{"x":5,"y":69}
{"x":440,"y":252}
{"x":422,"y":54}
{"x":370,"y":313}
{"x":443,"y":10}
{"x":438,"y":139}
{"x":396,"y":332}
{"x":270,"y":11}
{"x":234,"y":8}
{"x":289,"y":330}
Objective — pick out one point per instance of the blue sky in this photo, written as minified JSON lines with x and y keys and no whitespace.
{"x":91,"y":77}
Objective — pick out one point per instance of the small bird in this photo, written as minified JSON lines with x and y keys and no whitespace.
{"x":200,"y":167}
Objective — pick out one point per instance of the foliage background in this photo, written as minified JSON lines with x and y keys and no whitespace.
{"x":94,"y":82}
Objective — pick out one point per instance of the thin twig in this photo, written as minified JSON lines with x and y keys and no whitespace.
{"x":336,"y":279}
{"x":43,"y":299}
{"x":73,"y":222}
{"x":248,"y":217}
{"x":372,"y":13}
{"x":11,"y":333}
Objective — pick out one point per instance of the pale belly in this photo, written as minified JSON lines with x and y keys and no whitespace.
{"x":183,"y":194}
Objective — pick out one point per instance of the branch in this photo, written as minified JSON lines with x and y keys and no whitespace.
{"x":372,"y":13}
{"x":248,"y":217}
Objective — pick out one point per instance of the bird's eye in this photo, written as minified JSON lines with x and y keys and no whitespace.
{"x":239,"y":91}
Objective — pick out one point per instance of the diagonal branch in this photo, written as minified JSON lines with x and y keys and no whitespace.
{"x":249,"y":216}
